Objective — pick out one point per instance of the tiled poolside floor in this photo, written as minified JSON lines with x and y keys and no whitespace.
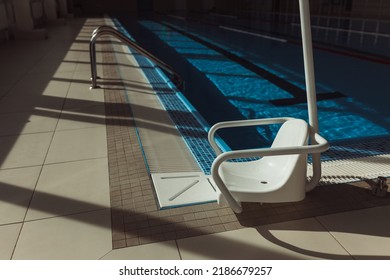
{"x":74,"y":185}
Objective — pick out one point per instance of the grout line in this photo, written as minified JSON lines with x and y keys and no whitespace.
{"x":178,"y":249}
{"x":27,"y":208}
{"x":68,"y":215}
{"x":76,"y":160}
{"x":20,"y":167}
{"x":11,"y":223}
{"x":82,"y":128}
{"x":28,"y":133}
{"x":331,"y":234}
{"x":22,"y":76}
{"x":108,"y":253}
{"x":17,"y":240}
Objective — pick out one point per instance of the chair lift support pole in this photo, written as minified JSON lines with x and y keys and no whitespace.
{"x":307,"y":46}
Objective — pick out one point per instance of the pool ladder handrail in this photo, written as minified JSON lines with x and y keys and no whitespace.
{"x":108,"y":30}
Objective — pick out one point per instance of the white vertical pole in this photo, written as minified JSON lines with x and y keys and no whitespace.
{"x":309,"y":64}
{"x":310,"y":88}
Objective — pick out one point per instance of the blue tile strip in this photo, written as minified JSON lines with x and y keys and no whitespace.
{"x":187,"y":120}
{"x":190,"y":127}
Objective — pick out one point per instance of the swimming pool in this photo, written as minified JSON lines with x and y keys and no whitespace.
{"x":234,"y":75}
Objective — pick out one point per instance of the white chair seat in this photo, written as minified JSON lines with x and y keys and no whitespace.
{"x":271,"y":178}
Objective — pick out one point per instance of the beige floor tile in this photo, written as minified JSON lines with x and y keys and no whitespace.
{"x":10,"y":75}
{"x":78,"y":144}
{"x":12,"y":104}
{"x":293,"y":240}
{"x":43,"y":93}
{"x":156,"y":251}
{"x":28,"y":122}
{"x":70,"y":188}
{"x":58,"y":85}
{"x":31,"y":84}
{"x":35,"y":85}
{"x":37,"y":91}
{"x":67,"y":67}
{"x":8,"y":236}
{"x":18,"y":60}
{"x":84,"y":75}
{"x":85,"y":59}
{"x":365,"y":234}
{"x":82,"y":118}
{"x":81,"y":96}
{"x":81,"y":66}
{"x":82,"y":82}
{"x":78,"y":46}
{"x":16,"y":190}
{"x":80,"y":88}
{"x":307,"y":237}
{"x":53,"y":64}
{"x":4,"y":88}
{"x":64,"y":35}
{"x":72,"y":55}
{"x":81,"y":236}
{"x":24,"y":150}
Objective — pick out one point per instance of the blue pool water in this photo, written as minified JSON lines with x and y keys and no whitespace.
{"x":229,"y":75}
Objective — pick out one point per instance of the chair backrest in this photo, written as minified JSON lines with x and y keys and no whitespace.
{"x":292,"y":133}
{"x":290,"y":171}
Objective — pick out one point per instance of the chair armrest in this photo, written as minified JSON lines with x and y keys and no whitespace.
{"x":240,"y":123}
{"x":321,"y":146}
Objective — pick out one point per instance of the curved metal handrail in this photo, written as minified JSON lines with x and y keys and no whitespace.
{"x":108,"y":30}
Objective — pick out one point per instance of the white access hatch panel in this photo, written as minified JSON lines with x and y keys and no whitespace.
{"x":183,"y":189}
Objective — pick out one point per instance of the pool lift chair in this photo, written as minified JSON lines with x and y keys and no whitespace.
{"x":280,"y":175}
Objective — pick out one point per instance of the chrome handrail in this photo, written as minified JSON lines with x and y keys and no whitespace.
{"x":108,"y":30}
